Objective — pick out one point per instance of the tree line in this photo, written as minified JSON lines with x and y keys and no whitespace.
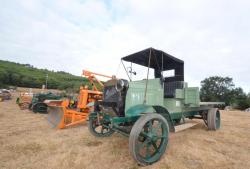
{"x":25,"y":75}
{"x":223,"y":89}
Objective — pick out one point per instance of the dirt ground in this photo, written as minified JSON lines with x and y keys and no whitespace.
{"x":28,"y":141}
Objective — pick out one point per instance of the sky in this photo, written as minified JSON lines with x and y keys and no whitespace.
{"x":212,"y":37}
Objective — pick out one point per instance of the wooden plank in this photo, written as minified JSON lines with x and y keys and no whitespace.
{"x":185,"y":126}
{"x":212,"y":103}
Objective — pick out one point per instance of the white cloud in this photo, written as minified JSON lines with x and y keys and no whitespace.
{"x":212,"y":37}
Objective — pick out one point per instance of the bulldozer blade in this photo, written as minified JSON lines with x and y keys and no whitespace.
{"x":56,"y":116}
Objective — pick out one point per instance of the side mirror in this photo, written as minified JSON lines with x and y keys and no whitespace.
{"x":131,"y":71}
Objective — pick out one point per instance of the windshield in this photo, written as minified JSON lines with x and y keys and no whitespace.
{"x":135,"y":72}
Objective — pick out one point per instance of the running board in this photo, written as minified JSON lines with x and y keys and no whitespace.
{"x":185,"y":126}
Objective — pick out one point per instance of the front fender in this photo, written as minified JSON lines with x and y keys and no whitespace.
{"x":143,"y":109}
{"x":137,"y":110}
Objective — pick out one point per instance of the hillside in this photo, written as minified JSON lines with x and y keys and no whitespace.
{"x":25,"y":75}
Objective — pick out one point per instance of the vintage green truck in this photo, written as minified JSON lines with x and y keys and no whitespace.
{"x":147,"y":110}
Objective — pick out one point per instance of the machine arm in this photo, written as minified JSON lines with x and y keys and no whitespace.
{"x":92,"y":77}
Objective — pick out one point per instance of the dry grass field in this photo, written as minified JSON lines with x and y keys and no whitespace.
{"x":28,"y":141}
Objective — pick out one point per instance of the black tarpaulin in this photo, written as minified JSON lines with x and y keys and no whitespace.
{"x":160,"y":61}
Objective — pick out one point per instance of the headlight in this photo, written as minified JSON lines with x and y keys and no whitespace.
{"x":119,"y":85}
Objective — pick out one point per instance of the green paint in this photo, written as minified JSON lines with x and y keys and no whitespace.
{"x":179,"y":94}
{"x":124,"y":119}
{"x":186,"y":100}
{"x":173,"y":105}
{"x":178,"y":115}
{"x":192,"y":96}
{"x":136,"y":91}
{"x":138,"y":109}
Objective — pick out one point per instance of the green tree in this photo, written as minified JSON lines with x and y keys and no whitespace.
{"x":217,"y":88}
{"x":14,"y":79}
{"x":25,"y":75}
{"x":4,"y":76}
{"x":239,"y":98}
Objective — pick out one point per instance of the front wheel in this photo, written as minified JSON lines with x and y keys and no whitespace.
{"x":99,"y":126}
{"x":149,"y":138}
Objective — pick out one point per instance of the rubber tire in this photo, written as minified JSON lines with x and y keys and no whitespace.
{"x":139,"y":124}
{"x":92,"y":131}
{"x":211,"y":119}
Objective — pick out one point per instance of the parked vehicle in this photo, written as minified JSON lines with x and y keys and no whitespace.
{"x":5,"y":94}
{"x":147,"y":110}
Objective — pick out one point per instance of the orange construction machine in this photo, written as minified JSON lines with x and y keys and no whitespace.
{"x":68,"y":112}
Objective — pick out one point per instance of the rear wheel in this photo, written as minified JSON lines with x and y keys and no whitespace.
{"x":213,"y":119}
{"x":149,"y":138}
{"x":99,"y":126}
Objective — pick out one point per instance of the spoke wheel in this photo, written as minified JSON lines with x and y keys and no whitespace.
{"x":213,"y":119}
{"x":149,"y":138}
{"x":101,"y":128}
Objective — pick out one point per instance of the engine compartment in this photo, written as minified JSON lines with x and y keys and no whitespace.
{"x":114,"y":96}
